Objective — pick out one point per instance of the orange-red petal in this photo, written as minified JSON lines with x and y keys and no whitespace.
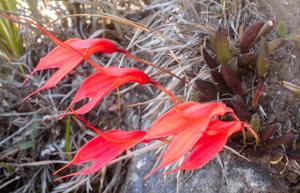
{"x":228,"y":127}
{"x":210,"y":144}
{"x":182,"y":143}
{"x":69,"y":56}
{"x":101,"y":150}
{"x":205,"y":150}
{"x":100,"y":84}
{"x":183,"y":115}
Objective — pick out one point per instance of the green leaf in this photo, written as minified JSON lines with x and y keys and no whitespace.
{"x":248,"y":59}
{"x":9,"y":32}
{"x":262,"y":63}
{"x":233,"y":65}
{"x":282,"y":30}
{"x":8,"y":168}
{"x":26,"y":145}
{"x":216,"y":75}
{"x":223,"y":3}
{"x":223,"y":51}
{"x":274,"y":44}
{"x":255,"y":124}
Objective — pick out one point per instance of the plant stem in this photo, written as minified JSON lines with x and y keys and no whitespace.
{"x":154,"y":66}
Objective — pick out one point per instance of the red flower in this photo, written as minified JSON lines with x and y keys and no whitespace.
{"x":188,"y":124}
{"x":185,"y":116}
{"x":100,"y":84}
{"x":66,"y":58}
{"x":211,"y":143}
{"x":103,"y":149}
{"x":67,"y":55}
{"x":195,"y":128}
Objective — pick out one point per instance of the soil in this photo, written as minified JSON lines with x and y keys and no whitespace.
{"x":281,"y":105}
{"x":285,"y":66}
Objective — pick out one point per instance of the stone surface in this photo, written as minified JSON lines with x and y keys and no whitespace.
{"x":236,"y":176}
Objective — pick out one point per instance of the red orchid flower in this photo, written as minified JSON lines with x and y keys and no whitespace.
{"x":62,"y":55}
{"x":67,"y":55}
{"x":67,"y":59}
{"x":181,"y":116}
{"x":211,"y":143}
{"x":100,"y":84}
{"x":103,"y":149}
{"x":194,"y":127}
{"x":187,"y":124}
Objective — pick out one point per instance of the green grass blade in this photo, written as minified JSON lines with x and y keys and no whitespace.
{"x":9,"y":31}
{"x":68,"y":138}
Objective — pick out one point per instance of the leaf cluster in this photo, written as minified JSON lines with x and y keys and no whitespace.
{"x":231,"y":64}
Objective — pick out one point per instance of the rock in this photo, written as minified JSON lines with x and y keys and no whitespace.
{"x":236,"y":176}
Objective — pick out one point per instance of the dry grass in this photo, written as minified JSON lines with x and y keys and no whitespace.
{"x":167,"y":33}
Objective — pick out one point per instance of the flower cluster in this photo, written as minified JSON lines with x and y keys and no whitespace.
{"x":191,"y":129}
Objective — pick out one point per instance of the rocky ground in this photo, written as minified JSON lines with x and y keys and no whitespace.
{"x":27,"y":169}
{"x":232,"y":174}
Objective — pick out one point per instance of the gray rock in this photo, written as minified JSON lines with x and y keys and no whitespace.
{"x":235,"y":176}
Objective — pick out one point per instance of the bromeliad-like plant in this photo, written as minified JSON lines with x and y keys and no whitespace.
{"x":192,"y":129}
{"x":231,"y":64}
{"x":231,"y":61}
{"x":228,"y":62}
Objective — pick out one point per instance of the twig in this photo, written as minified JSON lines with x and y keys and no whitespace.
{"x":139,"y":151}
{"x":236,"y":153}
{"x":39,"y":163}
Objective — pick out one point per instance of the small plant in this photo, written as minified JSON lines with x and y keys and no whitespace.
{"x":192,"y":129}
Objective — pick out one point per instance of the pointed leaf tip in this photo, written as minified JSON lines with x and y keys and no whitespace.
{"x":274,"y":44}
{"x":282,"y":29}
{"x":232,"y":81}
{"x":258,"y":93}
{"x":262,"y":62}
{"x":248,"y":37}
{"x":223,"y":50}
{"x":214,"y":70}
